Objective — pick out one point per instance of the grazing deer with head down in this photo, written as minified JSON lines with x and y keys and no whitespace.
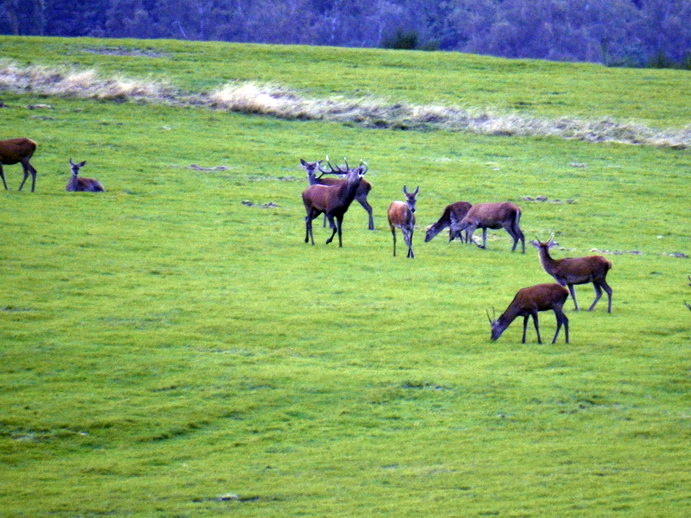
{"x":361,"y":194}
{"x":333,"y":201}
{"x":18,"y":150}
{"x":491,"y":215}
{"x":78,"y":183}
{"x":528,"y":302}
{"x":459,"y":210}
{"x":401,"y":214}
{"x":577,"y":270}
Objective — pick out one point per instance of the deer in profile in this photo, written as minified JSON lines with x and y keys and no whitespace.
{"x":78,"y":183}
{"x":459,"y":210}
{"x":18,"y":151}
{"x":490,"y":215}
{"x":576,"y":270}
{"x":361,"y":194}
{"x":401,"y":214}
{"x":528,"y":302}
{"x":333,"y":201}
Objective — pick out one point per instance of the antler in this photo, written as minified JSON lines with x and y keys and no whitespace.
{"x":336,"y":170}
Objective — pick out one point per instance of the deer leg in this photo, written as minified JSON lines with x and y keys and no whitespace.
{"x":598,"y":294}
{"x":2,"y":175}
{"x":26,"y":175}
{"x":393,"y":233}
{"x":339,"y":223}
{"x":558,"y":314}
{"x":33,"y":176}
{"x":308,"y":226}
{"x":365,"y":205}
{"x":409,"y":241}
{"x":333,"y":229}
{"x":608,"y":290}
{"x":564,"y":321}
{"x":525,"y":327}
{"x":572,"y":291}
{"x":484,"y":237}
{"x":537,"y":327}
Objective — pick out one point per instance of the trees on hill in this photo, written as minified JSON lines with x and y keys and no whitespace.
{"x":615,"y":32}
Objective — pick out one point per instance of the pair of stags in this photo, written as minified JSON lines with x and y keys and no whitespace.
{"x":21,"y":150}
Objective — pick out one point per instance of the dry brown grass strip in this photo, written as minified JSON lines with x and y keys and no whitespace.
{"x":278,"y":101}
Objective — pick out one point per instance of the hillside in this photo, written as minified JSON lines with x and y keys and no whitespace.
{"x":173,"y":347}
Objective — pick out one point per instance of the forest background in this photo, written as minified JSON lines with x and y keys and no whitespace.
{"x":647,"y":33}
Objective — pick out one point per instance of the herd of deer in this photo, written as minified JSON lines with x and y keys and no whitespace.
{"x":333,"y":196}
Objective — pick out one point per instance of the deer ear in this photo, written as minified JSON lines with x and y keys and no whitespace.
{"x":81,"y":164}
{"x":302,"y":162}
{"x":417,"y":190}
{"x":405,"y":190}
{"x":535,"y":243}
{"x":552,"y":243}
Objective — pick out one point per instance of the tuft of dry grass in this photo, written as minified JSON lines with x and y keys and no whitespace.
{"x":278,"y":101}
{"x":72,"y":82}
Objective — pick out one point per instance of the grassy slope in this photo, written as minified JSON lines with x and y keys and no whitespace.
{"x":655,"y":97}
{"x":164,"y":344}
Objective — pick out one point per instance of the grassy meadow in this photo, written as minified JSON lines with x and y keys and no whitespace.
{"x":172,"y":347}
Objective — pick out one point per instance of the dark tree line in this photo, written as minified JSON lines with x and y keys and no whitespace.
{"x":614,"y":32}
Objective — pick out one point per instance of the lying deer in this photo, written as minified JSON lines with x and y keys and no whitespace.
{"x":401,"y":214}
{"x":577,"y":270}
{"x":360,"y":195}
{"x":490,"y":215}
{"x":77,"y":183}
{"x":18,"y":150}
{"x":459,"y":210}
{"x":528,"y":302}
{"x":333,"y":201}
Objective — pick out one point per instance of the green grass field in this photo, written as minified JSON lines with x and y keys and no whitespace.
{"x":166,"y":349}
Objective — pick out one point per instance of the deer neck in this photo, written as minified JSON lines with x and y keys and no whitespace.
{"x":348,"y":189}
{"x":548,"y":263}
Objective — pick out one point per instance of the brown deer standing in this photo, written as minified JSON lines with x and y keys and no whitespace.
{"x":18,"y":150}
{"x":528,"y":302}
{"x":577,"y":270}
{"x":360,"y":195}
{"x":401,"y":214}
{"x":491,"y":215}
{"x":77,"y":183}
{"x":459,"y":210}
{"x":333,"y":201}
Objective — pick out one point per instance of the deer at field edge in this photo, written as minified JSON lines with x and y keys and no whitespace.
{"x":577,"y":270}
{"x":491,"y":215}
{"x":333,"y":201}
{"x":401,"y":214}
{"x":528,"y":302}
{"x":18,"y":150}
{"x":459,"y":210}
{"x":361,"y":194}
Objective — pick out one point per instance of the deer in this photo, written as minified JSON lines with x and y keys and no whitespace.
{"x":459,"y":210}
{"x":360,"y":195}
{"x":18,"y":150}
{"x":333,"y":201}
{"x":401,"y":214}
{"x":490,"y":215}
{"x":77,"y":183}
{"x":528,"y":302}
{"x":576,"y":270}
